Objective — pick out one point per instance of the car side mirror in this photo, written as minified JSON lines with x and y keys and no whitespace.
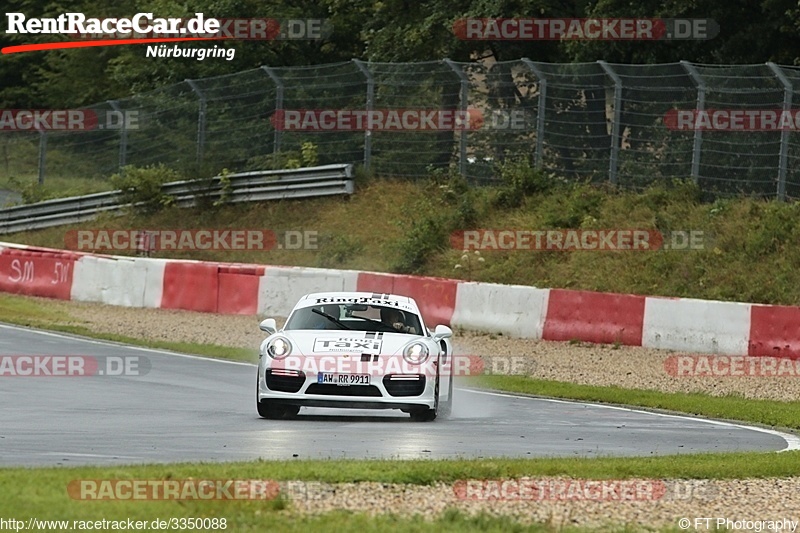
{"x":268,"y":325}
{"x":442,"y":332}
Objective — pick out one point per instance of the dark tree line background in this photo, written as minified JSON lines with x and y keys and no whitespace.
{"x":751,"y":31}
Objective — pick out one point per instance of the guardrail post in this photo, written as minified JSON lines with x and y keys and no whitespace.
{"x":698,"y":81}
{"x":616,"y":139}
{"x":42,"y":154}
{"x":540,"y":114}
{"x":783,"y":158}
{"x":370,"y":102}
{"x":276,"y":142}
{"x":123,"y":135}
{"x":463,"y":103}
{"x":201,"y":120}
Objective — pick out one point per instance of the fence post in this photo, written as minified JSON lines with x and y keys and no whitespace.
{"x":784,"y":153}
{"x":697,"y":79}
{"x":42,"y":154}
{"x":370,"y":102}
{"x":540,"y":114}
{"x":616,"y":139}
{"x":201,"y":120}
{"x":123,"y":135}
{"x":276,"y":143}
{"x":463,"y":103}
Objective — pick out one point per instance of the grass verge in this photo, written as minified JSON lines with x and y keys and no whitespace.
{"x":764,"y":412}
{"x":43,"y":492}
{"x":44,"y":314}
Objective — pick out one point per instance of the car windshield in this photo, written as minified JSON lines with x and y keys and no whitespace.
{"x":357,"y":317}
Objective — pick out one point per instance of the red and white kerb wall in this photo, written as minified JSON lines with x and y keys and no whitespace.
{"x":683,"y":324}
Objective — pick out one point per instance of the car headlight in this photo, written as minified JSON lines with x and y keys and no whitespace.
{"x":279,"y":347}
{"x":416,"y":353}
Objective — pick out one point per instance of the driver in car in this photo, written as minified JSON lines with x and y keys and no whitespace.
{"x":394,"y":319}
{"x":320,"y":322}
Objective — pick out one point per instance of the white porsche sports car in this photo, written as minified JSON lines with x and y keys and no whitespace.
{"x":355,"y":350}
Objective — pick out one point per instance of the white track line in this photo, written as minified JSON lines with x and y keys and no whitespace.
{"x":792,"y":441}
{"x":121,"y":345}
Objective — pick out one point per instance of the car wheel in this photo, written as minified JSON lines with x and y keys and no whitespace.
{"x":428,"y":415}
{"x":267,"y":409}
{"x":273,"y":411}
{"x":447,"y":406}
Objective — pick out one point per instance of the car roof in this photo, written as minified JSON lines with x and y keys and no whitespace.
{"x":398,"y":301}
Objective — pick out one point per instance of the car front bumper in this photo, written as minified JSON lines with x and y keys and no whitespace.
{"x":390,"y":391}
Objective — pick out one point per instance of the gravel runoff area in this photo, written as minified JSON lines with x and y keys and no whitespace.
{"x":562,"y":502}
{"x":631,"y":367}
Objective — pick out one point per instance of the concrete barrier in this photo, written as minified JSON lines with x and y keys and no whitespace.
{"x":281,"y":287}
{"x":774,"y":331}
{"x":36,"y":272}
{"x":696,"y":325}
{"x":238,"y":289}
{"x":436,"y":297}
{"x":513,"y":310}
{"x":683,"y":324}
{"x":594,"y":317}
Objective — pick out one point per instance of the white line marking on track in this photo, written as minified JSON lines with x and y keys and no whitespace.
{"x":107,"y":456}
{"x":121,"y":345}
{"x":792,"y":441}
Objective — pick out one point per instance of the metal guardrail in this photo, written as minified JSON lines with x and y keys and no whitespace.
{"x":254,"y":186}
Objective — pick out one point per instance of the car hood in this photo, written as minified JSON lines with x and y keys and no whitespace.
{"x":308,"y":342}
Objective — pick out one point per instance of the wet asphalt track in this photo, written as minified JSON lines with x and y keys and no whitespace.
{"x":193,"y":409}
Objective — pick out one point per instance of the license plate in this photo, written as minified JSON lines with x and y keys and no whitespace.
{"x":343,"y":380}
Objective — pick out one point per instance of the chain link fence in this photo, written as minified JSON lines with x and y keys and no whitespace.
{"x":730,"y":128}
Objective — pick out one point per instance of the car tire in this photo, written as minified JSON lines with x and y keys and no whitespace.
{"x":272,"y":411}
{"x":429,"y":415}
{"x":447,"y":406}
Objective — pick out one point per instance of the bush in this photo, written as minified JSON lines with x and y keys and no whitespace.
{"x":306,"y":156}
{"x":31,"y":192}
{"x":520,"y":180}
{"x":426,"y":236}
{"x":337,"y":250}
{"x":141,"y":187}
{"x":577,"y":206}
{"x":427,"y":222}
{"x":447,"y":204}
